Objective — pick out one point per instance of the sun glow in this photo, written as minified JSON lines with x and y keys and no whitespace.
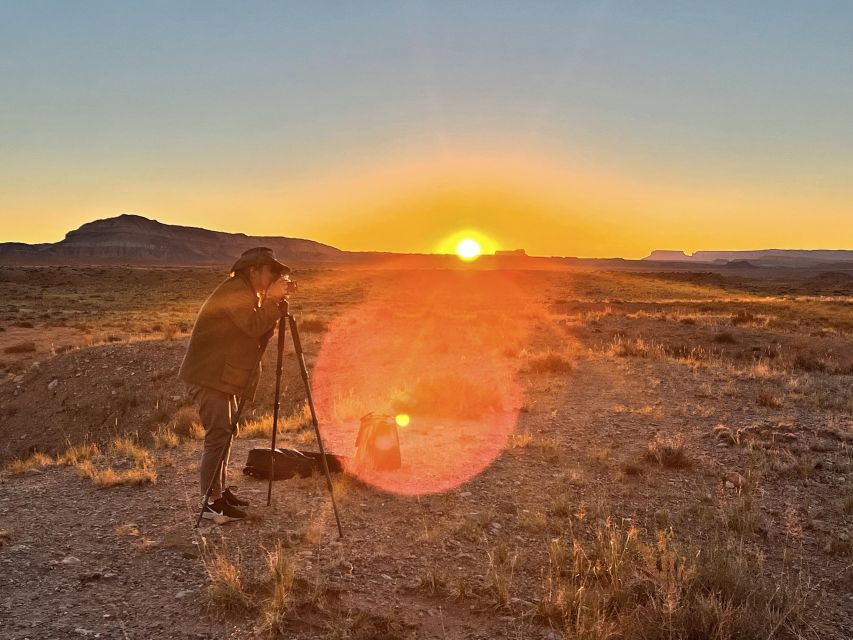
{"x":468,"y":249}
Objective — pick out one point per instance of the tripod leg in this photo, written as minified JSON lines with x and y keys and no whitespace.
{"x":300,"y":357}
{"x":282,"y":330}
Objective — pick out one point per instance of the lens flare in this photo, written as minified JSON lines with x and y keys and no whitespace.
{"x":468,"y":249}
{"x":402,"y":420}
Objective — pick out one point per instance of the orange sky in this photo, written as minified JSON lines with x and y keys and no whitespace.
{"x":413,"y":200}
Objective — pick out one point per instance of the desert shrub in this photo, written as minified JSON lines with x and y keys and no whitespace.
{"x":449,"y":396}
{"x":667,"y":451}
{"x":21,"y":347}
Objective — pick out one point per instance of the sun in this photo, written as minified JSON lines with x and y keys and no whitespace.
{"x":468,"y":249}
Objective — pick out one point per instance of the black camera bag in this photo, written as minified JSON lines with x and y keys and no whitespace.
{"x":289,"y":463}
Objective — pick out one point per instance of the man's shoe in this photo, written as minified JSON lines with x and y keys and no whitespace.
{"x":220,"y":511}
{"x":233,"y":500}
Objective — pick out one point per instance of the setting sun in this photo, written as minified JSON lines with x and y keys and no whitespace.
{"x":468,"y":249}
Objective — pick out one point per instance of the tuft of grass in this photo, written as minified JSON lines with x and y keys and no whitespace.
{"x":37,"y":460}
{"x":165,"y":438}
{"x":742,"y":516}
{"x":550,"y":362}
{"x":766,"y":399}
{"x":520,"y":440}
{"x":619,"y":586}
{"x":667,"y":451}
{"x":77,"y":454}
{"x":262,"y":427}
{"x":109,"y":477}
{"x":226,"y":593}
{"x":124,"y":463}
{"x":183,"y":422}
{"x":500,"y":574}
{"x":281,"y":574}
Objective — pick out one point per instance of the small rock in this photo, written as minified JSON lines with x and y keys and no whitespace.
{"x":386,"y":576}
{"x":465,"y":494}
{"x":496,"y":525}
{"x":52,"y":384}
{"x":17,"y":548}
{"x":70,"y":560}
{"x":184,"y":593}
{"x":729,"y":485}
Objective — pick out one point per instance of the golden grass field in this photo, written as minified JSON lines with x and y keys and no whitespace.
{"x":590,"y":455}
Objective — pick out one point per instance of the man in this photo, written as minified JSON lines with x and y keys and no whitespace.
{"x":222,"y":363}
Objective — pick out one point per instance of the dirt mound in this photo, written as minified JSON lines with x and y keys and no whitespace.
{"x":96,"y":393}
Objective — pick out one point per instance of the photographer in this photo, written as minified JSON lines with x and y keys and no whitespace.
{"x":222,"y":363}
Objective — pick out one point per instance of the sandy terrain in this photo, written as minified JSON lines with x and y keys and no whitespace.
{"x":590,"y":455}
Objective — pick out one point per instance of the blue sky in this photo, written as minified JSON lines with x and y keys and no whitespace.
{"x":107,"y":103}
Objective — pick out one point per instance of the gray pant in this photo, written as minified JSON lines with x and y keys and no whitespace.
{"x":216,"y":410}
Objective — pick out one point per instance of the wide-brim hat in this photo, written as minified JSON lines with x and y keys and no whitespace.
{"x":259,"y":256}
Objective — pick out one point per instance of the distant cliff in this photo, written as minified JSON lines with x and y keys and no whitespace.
{"x":135,"y":239}
{"x":762,"y":257}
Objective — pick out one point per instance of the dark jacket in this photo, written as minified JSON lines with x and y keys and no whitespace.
{"x":227,"y":338}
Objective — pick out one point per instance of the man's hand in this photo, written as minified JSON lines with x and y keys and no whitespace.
{"x":277,"y":291}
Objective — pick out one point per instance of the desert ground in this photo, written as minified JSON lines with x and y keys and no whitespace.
{"x":593,"y":455}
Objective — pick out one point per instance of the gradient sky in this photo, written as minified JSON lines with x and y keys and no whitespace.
{"x":565,"y":128}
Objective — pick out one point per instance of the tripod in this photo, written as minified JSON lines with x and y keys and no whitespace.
{"x":303,"y":370}
{"x":284,"y":309}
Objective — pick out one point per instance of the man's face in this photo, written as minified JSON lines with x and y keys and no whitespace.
{"x":263,"y":276}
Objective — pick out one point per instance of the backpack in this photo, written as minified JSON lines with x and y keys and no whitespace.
{"x":289,"y":463}
{"x":377,"y":443}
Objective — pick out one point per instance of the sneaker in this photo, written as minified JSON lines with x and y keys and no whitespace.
{"x":221,"y":512}
{"x":233,"y":500}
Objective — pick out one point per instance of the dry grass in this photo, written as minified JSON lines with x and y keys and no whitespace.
{"x":226,"y":593}
{"x":185,"y":423}
{"x":550,"y":362}
{"x":76,"y":455}
{"x":165,"y":438}
{"x":667,"y":451}
{"x":123,"y":464}
{"x":281,"y":572}
{"x":617,"y":586}
{"x":262,"y":427}
{"x":37,"y":460}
